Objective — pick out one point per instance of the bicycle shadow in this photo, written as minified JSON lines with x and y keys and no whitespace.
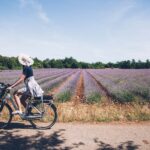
{"x":18,"y":125}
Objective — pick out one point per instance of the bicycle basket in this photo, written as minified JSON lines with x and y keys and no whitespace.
{"x":2,"y":89}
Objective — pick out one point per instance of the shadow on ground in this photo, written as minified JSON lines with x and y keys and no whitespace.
{"x":13,"y":140}
{"x":128,"y":145}
{"x":10,"y":140}
{"x":18,"y":125}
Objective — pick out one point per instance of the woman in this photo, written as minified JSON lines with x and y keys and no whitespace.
{"x":31,"y":86}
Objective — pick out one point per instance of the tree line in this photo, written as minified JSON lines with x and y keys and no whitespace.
{"x":12,"y":63}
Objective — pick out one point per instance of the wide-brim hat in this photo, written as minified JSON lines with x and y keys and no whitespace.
{"x":25,"y":60}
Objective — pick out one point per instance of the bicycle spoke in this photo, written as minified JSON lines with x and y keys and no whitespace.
{"x":47,"y":120}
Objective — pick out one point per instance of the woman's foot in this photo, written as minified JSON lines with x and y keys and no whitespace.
{"x":17,"y":112}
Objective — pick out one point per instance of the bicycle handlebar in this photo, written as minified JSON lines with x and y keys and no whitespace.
{"x":5,"y":86}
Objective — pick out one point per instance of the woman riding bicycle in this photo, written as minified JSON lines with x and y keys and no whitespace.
{"x":32,"y":88}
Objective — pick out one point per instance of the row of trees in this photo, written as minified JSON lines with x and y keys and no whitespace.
{"x":12,"y":63}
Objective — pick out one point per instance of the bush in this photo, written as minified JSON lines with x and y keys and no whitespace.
{"x":63,"y":97}
{"x":93,"y":98}
{"x":143,"y":92}
{"x":146,"y":94}
{"x":123,"y":97}
{"x":2,"y":68}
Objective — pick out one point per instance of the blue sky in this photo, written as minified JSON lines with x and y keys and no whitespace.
{"x":88,"y":30}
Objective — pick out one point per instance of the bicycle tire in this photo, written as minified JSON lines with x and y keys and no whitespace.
{"x":5,"y":125}
{"x":37,"y":125}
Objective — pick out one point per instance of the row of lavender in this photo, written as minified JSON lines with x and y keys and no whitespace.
{"x":68,"y":89}
{"x":65,"y":80}
{"x":47,"y":78}
{"x":125,"y":85}
{"x":122,"y":85}
{"x":92,"y":91}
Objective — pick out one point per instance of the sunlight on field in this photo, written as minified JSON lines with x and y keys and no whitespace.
{"x":104,"y":112}
{"x":94,"y":95}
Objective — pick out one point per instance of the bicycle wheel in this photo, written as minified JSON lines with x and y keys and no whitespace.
{"x":48,"y":118}
{"x":5,"y":116}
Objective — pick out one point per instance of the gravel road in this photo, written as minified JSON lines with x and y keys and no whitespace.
{"x":77,"y":136}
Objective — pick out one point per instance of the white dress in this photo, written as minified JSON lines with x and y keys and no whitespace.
{"x":33,"y":87}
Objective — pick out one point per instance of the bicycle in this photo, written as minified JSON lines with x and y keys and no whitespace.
{"x":40,"y":111}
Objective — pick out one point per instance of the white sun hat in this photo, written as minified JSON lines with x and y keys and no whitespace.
{"x":25,"y":60}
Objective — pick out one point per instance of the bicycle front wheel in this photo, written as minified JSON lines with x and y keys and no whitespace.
{"x":5,"y":116}
{"x":48,"y":118}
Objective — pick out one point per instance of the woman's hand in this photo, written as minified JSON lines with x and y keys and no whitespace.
{"x":9,"y":88}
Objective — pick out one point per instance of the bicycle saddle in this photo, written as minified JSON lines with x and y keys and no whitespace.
{"x":45,"y":97}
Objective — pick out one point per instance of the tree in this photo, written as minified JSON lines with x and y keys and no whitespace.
{"x":37,"y":63}
{"x":133,"y":64}
{"x":46,"y":63}
{"x":147,"y":64}
{"x":58,"y":63}
{"x":12,"y":63}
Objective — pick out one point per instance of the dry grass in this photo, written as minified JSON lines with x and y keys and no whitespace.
{"x":104,"y":112}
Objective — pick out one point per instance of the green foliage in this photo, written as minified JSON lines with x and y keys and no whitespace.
{"x":12,"y":63}
{"x":93,"y":98}
{"x":139,"y":115}
{"x":146,"y":94}
{"x":132,"y":64}
{"x":143,"y":92}
{"x":63,"y":97}
{"x":123,"y":97}
{"x":9,"y":63}
{"x":143,"y":116}
{"x":37,"y":63}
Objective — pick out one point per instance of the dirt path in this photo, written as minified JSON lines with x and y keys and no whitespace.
{"x":104,"y":89}
{"x":79,"y":96}
{"x":77,"y":136}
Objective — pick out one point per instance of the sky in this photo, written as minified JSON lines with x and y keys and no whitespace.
{"x":87,"y":30}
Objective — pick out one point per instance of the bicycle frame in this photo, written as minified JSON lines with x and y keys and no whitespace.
{"x":8,"y":97}
{"x":31,"y":104}
{"x":36,"y":111}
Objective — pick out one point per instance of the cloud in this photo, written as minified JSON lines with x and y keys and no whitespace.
{"x":38,"y":8}
{"x":42,"y":15}
{"x":122,"y":31}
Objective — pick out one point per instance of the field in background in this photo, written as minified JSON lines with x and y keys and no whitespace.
{"x":94,"y":94}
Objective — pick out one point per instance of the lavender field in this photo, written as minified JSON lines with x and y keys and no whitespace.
{"x":116,"y":85}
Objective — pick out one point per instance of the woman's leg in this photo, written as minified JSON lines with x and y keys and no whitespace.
{"x":17,"y":100}
{"x":23,"y":99}
{"x":17,"y":95}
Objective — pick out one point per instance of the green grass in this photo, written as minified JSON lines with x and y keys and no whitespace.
{"x":123,"y":97}
{"x":93,"y":98}
{"x":63,"y":97}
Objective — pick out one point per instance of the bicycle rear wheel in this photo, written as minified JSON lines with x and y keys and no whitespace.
{"x":5,"y":116}
{"x":48,"y":118}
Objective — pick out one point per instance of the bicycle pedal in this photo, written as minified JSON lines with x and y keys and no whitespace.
{"x":23,"y":115}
